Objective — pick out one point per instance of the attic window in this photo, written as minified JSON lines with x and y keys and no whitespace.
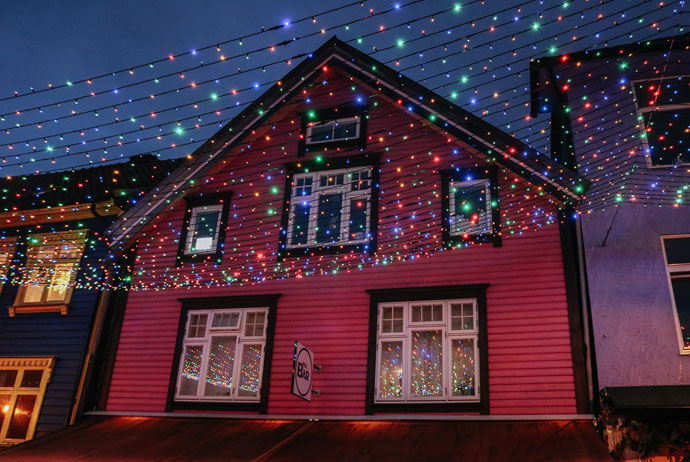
{"x":327,"y":131}
{"x":664,"y":107}
{"x":203,"y":228}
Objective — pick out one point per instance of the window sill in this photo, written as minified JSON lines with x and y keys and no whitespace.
{"x":39,"y":308}
{"x":414,"y":407}
{"x":327,"y":249}
{"x":238,"y":406}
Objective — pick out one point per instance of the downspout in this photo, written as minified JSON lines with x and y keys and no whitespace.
{"x":587,"y":332}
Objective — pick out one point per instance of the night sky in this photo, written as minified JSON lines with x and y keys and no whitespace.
{"x":476,"y":53}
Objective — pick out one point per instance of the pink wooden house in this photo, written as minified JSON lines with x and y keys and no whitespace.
{"x":425,"y":257}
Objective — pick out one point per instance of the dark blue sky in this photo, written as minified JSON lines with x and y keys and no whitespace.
{"x":53,"y":42}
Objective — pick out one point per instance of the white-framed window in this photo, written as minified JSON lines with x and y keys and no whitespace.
{"x":329,"y":207}
{"x":52,"y":262}
{"x":23,"y":383}
{"x":427,"y":351}
{"x":677,"y":258}
{"x":222,"y":355}
{"x":470,"y":207}
{"x":327,"y":131}
{"x":663,"y":106}
{"x":204,"y":229}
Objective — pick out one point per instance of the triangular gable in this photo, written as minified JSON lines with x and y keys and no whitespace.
{"x":555,"y":179}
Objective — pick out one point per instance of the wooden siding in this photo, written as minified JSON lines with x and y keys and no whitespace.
{"x":530,"y":364}
{"x":53,"y":334}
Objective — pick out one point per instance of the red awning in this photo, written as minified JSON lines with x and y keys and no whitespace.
{"x":148,"y":439}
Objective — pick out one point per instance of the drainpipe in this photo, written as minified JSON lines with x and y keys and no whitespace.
{"x":590,"y":357}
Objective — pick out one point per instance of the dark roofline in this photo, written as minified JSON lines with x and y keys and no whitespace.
{"x":674,"y":42}
{"x":556,"y":179}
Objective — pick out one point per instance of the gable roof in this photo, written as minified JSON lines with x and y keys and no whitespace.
{"x":556,"y":179}
{"x":537,"y":68}
{"x":120,"y":182}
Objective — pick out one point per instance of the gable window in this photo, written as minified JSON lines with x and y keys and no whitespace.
{"x":327,"y":131}
{"x":222,"y":355}
{"x":52,"y":262}
{"x":677,"y":255}
{"x":203,"y":228}
{"x":428,"y":351}
{"x":7,"y":251}
{"x":470,"y":206}
{"x":23,"y":383}
{"x":664,"y":108}
{"x":330,"y":207}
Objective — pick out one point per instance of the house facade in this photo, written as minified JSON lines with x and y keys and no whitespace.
{"x":620,"y":119}
{"x":425,"y":257}
{"x":51,"y":234}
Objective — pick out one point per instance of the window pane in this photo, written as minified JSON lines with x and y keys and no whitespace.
{"x":4,"y":408}
{"x":471,"y":213}
{"x":31,"y":379}
{"x":204,"y":228}
{"x":681,"y":294}
{"x":328,"y":220}
{"x":225,"y":320}
{"x":677,"y":250}
{"x":321,"y":132}
{"x":197,"y":326}
{"x":21,"y":417}
{"x":250,"y":371}
{"x":462,"y":316}
{"x":426,"y":378}
{"x":33,"y":287}
{"x":300,"y":224}
{"x":191,"y":370}
{"x":7,"y":378}
{"x":463,"y":367}
{"x":391,"y":376}
{"x":667,"y":136}
{"x":59,"y":282}
{"x":221,"y":360}
{"x":358,"y":219}
{"x":345,"y":130}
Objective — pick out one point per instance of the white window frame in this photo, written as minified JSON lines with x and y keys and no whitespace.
{"x":486,"y":222}
{"x":333,"y":123}
{"x":205,"y":343}
{"x":405,"y":337}
{"x":676,"y":269}
{"x":45,"y":364}
{"x":662,"y":108}
{"x":191,"y":230}
{"x":348,"y":194}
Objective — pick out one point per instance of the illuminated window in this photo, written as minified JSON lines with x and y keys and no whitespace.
{"x":428,"y":351}
{"x":22,"y":386}
{"x":677,"y":255}
{"x":204,"y":229}
{"x":664,"y":109}
{"x":52,"y":262}
{"x":333,"y":130}
{"x":330,"y":207}
{"x":7,"y":250}
{"x":222,"y":355}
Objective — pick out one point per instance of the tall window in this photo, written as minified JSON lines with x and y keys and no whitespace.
{"x":677,"y":254}
{"x":664,"y":108}
{"x":327,"y":131}
{"x":470,"y":208}
{"x":52,"y":262}
{"x":330,"y":207}
{"x":22,"y":386}
{"x":203,"y":230}
{"x":222,"y":355}
{"x":428,"y":351}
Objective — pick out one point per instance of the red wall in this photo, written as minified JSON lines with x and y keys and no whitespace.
{"x":530,"y":366}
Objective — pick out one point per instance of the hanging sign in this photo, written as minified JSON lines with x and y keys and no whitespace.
{"x":302,"y":371}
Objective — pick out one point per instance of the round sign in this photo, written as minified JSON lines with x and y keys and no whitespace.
{"x":303,"y":372}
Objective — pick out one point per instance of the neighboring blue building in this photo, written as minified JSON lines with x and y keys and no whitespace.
{"x":620,"y":117}
{"x":51,"y":307}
